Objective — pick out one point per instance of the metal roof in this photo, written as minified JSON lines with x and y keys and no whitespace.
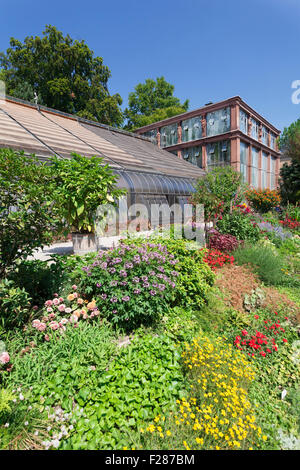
{"x":45,"y":132}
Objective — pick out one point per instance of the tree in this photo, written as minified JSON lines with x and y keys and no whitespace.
{"x":290,"y":182}
{"x":152,"y":101}
{"x":64,"y":73}
{"x":289,"y":142}
{"x":28,"y":217}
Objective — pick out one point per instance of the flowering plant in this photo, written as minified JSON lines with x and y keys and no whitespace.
{"x":133,"y":284}
{"x":59,"y":313}
{"x":216,"y":259}
{"x":290,"y":223}
{"x":263,"y":200}
{"x":256,"y":343}
{"x":4,"y":356}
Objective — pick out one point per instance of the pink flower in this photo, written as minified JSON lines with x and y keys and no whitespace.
{"x":64,"y":321}
{"x":74,"y":287}
{"x":75,"y":295}
{"x":35,"y":323}
{"x":61,"y":307}
{"x":68,"y":310}
{"x":55,"y":301}
{"x":73,"y":318}
{"x":46,"y":338}
{"x":49,"y":310}
{"x":41,"y":327}
{"x":54,"y":325}
{"x":61,"y":299}
{"x":4,"y":357}
{"x":80,"y":301}
{"x":48,"y":303}
{"x":35,"y":307}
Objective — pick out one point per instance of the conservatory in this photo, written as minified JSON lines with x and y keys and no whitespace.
{"x":150,"y":174}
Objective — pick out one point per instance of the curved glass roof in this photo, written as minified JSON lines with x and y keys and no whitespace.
{"x":150,"y":183}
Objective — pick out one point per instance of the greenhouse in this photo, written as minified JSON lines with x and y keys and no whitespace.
{"x":149,"y":174}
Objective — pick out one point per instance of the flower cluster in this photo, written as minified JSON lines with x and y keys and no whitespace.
{"x":256,"y":343}
{"x":133,"y":283}
{"x":218,"y":413}
{"x":59,"y":313}
{"x":243,"y":208}
{"x":263,"y":200}
{"x":290,"y":223}
{"x":216,"y":259}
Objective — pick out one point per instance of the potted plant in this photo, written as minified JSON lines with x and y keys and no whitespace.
{"x":81,"y":185}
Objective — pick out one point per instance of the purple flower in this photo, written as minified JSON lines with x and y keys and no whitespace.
{"x":152,"y":292}
{"x":123,"y":273}
{"x":114,"y":299}
{"x":135,"y":280}
{"x":98,"y":284}
{"x":103,"y":265}
{"x":126,"y":298}
{"x":161,"y":287}
{"x":113,"y":283}
{"x":112,"y":270}
{"x":104,"y":296}
{"x":128,"y":265}
{"x":146,"y":284}
{"x":137,"y":291}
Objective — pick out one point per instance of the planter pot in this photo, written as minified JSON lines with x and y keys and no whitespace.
{"x":84,"y":243}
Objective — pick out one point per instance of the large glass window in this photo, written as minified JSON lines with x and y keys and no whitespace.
{"x":255,"y":129}
{"x":272,"y":141}
{"x":272,"y":168}
{"x":191,"y":129}
{"x":244,"y":150}
{"x":218,"y":122}
{"x":218,"y":153}
{"x":264,"y":170}
{"x":264,"y":137}
{"x":168,"y":135}
{"x":243,"y":121}
{"x":193,"y":155}
{"x":254,"y":167}
{"x":151,"y":135}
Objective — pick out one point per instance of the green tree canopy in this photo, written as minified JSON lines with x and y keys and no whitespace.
{"x":289,"y":142}
{"x":152,"y":101}
{"x":64,"y":73}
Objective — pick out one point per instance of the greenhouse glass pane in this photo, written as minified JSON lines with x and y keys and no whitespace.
{"x":243,"y":121}
{"x":218,"y":122}
{"x":264,"y":137}
{"x":243,"y":161}
{"x":168,"y":135}
{"x":254,"y":165}
{"x":255,"y":129}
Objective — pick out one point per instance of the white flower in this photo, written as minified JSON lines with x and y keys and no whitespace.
{"x":55,"y":443}
{"x":21,"y":396}
{"x":6,"y":425}
{"x":26,"y":423}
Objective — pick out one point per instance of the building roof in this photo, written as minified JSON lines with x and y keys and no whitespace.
{"x":208,"y":108}
{"x":47,"y":132}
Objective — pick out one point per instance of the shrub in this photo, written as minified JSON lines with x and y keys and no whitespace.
{"x":263,"y":200}
{"x":268,"y":266}
{"x":28,"y":217}
{"x":291,"y":224}
{"x":239,"y":225}
{"x":82,"y":184}
{"x":195,"y":279}
{"x":222,"y":242}
{"x":39,"y":278}
{"x":217,"y":190}
{"x":14,"y":305}
{"x":132,"y":284}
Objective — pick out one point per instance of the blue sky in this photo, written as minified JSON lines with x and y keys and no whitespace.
{"x":210,"y":50}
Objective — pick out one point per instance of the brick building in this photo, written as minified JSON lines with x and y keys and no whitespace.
{"x":225,"y":133}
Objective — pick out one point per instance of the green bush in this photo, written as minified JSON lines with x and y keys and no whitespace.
{"x":196,"y":278}
{"x":269,"y":267}
{"x":39,"y":278}
{"x":240,"y":225}
{"x":28,"y":217}
{"x":217,"y":190}
{"x":131,"y":284}
{"x":14,"y":305}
